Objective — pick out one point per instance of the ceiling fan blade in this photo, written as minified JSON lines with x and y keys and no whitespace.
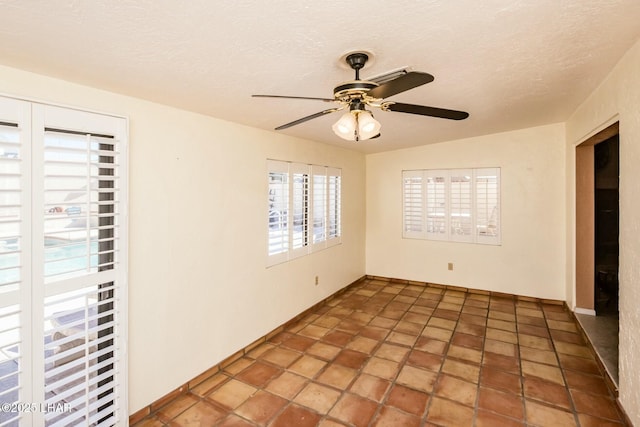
{"x":403,"y":83}
{"x":304,"y":119}
{"x":294,"y":97}
{"x":427,"y":111}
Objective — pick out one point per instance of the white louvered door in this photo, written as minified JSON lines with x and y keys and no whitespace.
{"x":73,"y":311}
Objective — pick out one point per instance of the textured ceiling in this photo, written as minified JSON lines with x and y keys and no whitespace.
{"x":511,"y":64}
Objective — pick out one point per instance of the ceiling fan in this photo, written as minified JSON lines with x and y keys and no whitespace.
{"x":358,"y":124}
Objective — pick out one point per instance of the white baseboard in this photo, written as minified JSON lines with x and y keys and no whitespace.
{"x":586,"y":311}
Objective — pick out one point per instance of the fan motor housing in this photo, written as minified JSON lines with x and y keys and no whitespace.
{"x":354,"y":87}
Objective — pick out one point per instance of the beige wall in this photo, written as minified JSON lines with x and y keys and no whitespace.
{"x":198,"y":234}
{"x":531,"y":259}
{"x":617,"y":98}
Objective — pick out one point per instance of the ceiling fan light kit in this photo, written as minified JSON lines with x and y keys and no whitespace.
{"x":358,"y":123}
{"x":357,"y":126}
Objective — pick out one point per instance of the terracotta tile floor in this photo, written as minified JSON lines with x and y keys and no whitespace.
{"x":391,"y":354}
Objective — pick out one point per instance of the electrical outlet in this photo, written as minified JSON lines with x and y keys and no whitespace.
{"x":317,"y":280}
{"x":450,"y":266}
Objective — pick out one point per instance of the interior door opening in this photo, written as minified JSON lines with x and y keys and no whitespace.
{"x":606,"y":166}
{"x":597,"y":219}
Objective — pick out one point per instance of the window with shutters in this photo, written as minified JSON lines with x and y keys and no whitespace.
{"x":62,"y":264}
{"x":304,"y":209}
{"x":461,"y":205}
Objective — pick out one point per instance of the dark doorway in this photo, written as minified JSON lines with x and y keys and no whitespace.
{"x":597,"y":214}
{"x":606,"y":168}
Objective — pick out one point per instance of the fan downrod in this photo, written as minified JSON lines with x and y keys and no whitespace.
{"x":354,"y":89}
{"x":356,"y":61}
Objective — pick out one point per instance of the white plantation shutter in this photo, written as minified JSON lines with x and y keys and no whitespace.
{"x":74,"y":318}
{"x":487,"y":190}
{"x":460,"y":205}
{"x":81,"y":229}
{"x":300,"y":209}
{"x":413,"y":204}
{"x":436,"y":186}
{"x":334,"y":203}
{"x":278,"y":220}
{"x":15,"y":246}
{"x":319,"y":209}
